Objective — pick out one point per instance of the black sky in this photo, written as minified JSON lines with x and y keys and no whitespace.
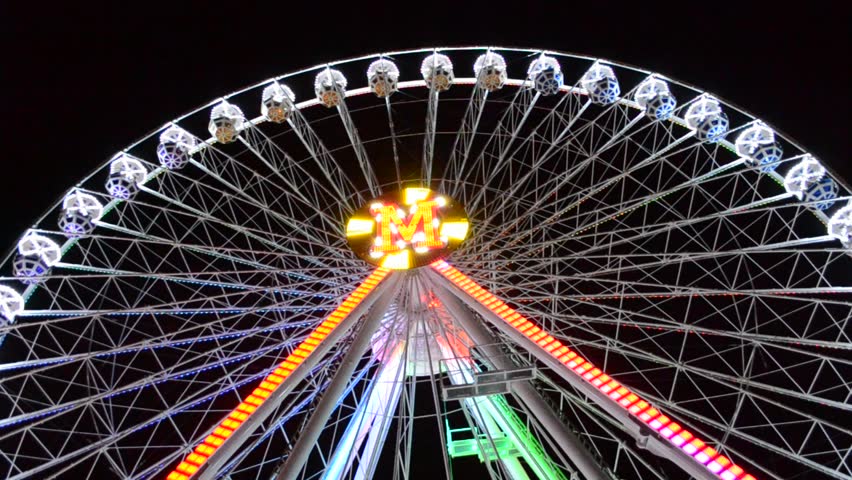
{"x":80,"y":83}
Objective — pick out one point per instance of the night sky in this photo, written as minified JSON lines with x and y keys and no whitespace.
{"x":80,"y":84}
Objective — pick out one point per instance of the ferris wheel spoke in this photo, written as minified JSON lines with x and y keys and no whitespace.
{"x":105,"y":399}
{"x":208,"y":196}
{"x":597,"y":216}
{"x":252,"y":233}
{"x":648,"y":229}
{"x":186,"y":339}
{"x":219,"y":325}
{"x":579,"y":287}
{"x":196,"y":277}
{"x":664,"y":231}
{"x":429,"y":137}
{"x":296,"y":180}
{"x":555,"y":182}
{"x":355,"y":139}
{"x":669,"y":150}
{"x":544,"y":204}
{"x":263,"y":211}
{"x":336,"y":177}
{"x":778,"y":252}
{"x":464,"y":139}
{"x":775,"y":341}
{"x":540,"y":201}
{"x":193,"y":227}
{"x":142,"y":341}
{"x":560,"y":180}
{"x":762,"y":210}
{"x":212,"y":251}
{"x":521,"y":103}
{"x":184,"y":252}
{"x":394,"y":142}
{"x":64,"y":407}
{"x":185,"y":243}
{"x":164,"y":341}
{"x":595,"y":265}
{"x":614,"y":120}
{"x":212,"y":301}
{"x":505,"y":135}
{"x":568,"y":106}
{"x":322,"y":238}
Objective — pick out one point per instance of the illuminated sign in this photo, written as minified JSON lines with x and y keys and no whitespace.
{"x":408,"y":229}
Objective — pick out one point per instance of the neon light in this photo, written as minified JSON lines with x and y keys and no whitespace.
{"x":398,"y":261}
{"x":456,"y":230}
{"x":239,"y":415}
{"x":359,"y":226}
{"x":410,"y":196}
{"x":396,"y":233}
{"x":415,"y":221}
{"x":719,"y":465}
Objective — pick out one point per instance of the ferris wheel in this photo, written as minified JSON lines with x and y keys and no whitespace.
{"x":525,"y":264}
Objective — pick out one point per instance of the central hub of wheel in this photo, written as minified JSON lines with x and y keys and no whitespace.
{"x":407,"y":229}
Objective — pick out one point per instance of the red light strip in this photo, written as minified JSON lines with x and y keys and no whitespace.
{"x":720,"y":465}
{"x":238,"y":416}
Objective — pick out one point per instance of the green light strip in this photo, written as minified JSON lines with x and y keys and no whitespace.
{"x":517,"y":442}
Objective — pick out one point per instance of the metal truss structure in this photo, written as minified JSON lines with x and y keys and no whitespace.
{"x":656,"y":285}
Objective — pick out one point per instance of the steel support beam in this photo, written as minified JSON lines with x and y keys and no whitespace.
{"x":429,"y":137}
{"x":567,"y":441}
{"x":219,"y":457}
{"x":641,"y":433}
{"x":370,"y":422}
{"x":358,"y":146}
{"x":310,"y":434}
